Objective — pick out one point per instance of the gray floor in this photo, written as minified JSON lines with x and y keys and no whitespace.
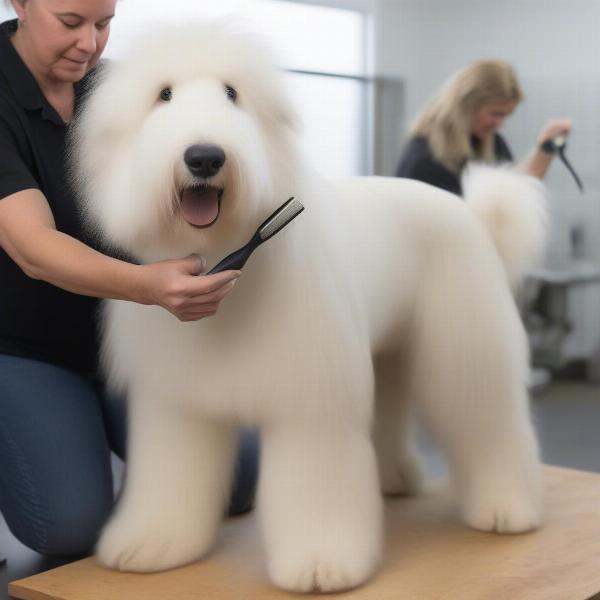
{"x":567,"y":417}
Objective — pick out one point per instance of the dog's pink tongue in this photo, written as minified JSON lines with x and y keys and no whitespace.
{"x":200,"y":206}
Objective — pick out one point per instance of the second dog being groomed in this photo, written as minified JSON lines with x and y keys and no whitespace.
{"x":384,"y":295}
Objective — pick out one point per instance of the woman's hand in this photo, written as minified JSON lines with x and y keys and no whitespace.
{"x":538,"y":161}
{"x":553,"y":128}
{"x":178,"y":286}
{"x":28,"y":234}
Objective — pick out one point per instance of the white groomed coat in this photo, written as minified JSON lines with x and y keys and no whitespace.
{"x":383,"y":295}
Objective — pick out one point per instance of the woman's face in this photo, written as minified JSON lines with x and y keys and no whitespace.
{"x":490,"y":117}
{"x":64,"y":38}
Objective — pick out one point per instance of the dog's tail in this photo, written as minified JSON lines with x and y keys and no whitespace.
{"x":512,"y":207}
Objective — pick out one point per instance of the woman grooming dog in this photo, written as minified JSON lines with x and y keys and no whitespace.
{"x":57,"y":422}
{"x":460,"y":123}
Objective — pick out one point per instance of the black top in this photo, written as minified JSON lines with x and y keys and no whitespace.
{"x":417,"y":162}
{"x":37,"y":319}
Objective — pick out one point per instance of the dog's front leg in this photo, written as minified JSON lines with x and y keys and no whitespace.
{"x":179,"y":472}
{"x":320,"y":506}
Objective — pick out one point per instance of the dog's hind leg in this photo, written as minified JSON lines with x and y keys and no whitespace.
{"x":400,"y":466}
{"x":320,"y":506}
{"x":471,"y":371}
{"x":179,"y":471}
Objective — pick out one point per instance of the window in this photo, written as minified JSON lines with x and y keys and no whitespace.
{"x":332,"y":129}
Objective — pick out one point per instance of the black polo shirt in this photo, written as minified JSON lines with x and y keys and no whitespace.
{"x":37,"y":319}
{"x":417,"y":162}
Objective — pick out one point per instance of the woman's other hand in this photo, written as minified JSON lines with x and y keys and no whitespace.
{"x":553,"y":128}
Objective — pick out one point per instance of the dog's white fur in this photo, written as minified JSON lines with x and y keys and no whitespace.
{"x":382,"y":294}
{"x":513,"y":210}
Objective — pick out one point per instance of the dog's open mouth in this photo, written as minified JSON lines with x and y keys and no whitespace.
{"x":201,"y":204}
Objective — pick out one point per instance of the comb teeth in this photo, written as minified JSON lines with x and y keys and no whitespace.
{"x":281,"y":218}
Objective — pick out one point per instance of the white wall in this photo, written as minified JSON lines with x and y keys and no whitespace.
{"x":5,"y":12}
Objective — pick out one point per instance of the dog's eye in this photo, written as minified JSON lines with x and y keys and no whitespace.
{"x":166,"y":94}
{"x":231,"y":93}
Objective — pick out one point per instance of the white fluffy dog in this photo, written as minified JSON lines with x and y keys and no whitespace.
{"x":383,"y":294}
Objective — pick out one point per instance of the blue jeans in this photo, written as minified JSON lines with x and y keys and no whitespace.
{"x":56,"y":432}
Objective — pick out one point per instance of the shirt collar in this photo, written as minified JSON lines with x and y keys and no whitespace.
{"x":25,"y":88}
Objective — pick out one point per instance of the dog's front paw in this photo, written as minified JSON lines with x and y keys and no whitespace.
{"x":320,"y":572}
{"x":148,"y":547}
{"x":503,"y":513}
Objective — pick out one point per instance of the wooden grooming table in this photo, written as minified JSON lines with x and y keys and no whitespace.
{"x":429,"y":555}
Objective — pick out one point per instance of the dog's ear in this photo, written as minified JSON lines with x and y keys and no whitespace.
{"x":279,"y":116}
{"x":290,"y":118}
{"x":282,"y":105}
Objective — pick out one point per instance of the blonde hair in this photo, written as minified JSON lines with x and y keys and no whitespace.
{"x":446,"y":118}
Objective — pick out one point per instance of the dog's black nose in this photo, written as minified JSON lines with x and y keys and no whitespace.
{"x":204,"y":160}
